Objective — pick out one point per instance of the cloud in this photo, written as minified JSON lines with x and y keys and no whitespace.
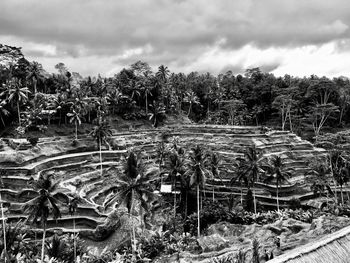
{"x":181,"y":34}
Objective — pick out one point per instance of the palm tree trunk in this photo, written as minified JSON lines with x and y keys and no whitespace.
{"x":74,"y":242}
{"x":99,"y":142}
{"x":2,"y":120}
{"x":3,"y":228}
{"x":146,"y":105}
{"x":43,"y":243}
{"x":198,"y":214}
{"x":241,"y":194}
{"x":19,"y":114}
{"x":254,"y":199}
{"x":341,"y":193}
{"x":213,"y":194}
{"x":76,"y":131}
{"x":174,"y":205}
{"x":189,"y":109}
{"x":278,"y":204}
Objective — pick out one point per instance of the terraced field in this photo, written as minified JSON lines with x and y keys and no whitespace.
{"x":77,"y":168}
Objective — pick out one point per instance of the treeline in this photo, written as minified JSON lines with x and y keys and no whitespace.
{"x":33,"y":97}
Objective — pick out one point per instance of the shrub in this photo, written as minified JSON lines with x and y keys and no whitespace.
{"x":33,"y":140}
{"x":294,"y":203}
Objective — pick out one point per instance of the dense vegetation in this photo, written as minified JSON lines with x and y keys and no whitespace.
{"x":34,"y":98}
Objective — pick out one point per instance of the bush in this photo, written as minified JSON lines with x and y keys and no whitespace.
{"x":295,"y":203}
{"x":33,"y":140}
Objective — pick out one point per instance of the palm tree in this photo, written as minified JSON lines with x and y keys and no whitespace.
{"x":192,"y":98}
{"x":134,"y":186}
{"x":72,"y":207}
{"x":251,"y":168}
{"x":39,"y":208}
{"x":14,"y":92}
{"x":275,"y":170}
{"x":147,"y":92}
{"x":75,"y":118}
{"x":215,"y":161}
{"x":101,"y":132}
{"x":175,"y":165}
{"x":163,"y":73}
{"x":34,"y":73}
{"x":340,"y":170}
{"x":240,"y":176}
{"x":318,"y":177}
{"x":198,"y":174}
{"x":2,"y":173}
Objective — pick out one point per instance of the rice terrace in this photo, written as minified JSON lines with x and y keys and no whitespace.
{"x":185,"y":141}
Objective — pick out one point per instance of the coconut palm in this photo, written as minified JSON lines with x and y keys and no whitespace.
{"x":340,"y":170}
{"x":191,"y":98}
{"x":72,"y":207}
{"x":175,"y":165}
{"x":198,"y":173}
{"x":100,"y":133}
{"x":215,"y":161}
{"x":276,"y":172}
{"x":75,"y":117}
{"x":240,"y":176}
{"x":45,"y":202}
{"x":134,"y":186}
{"x":15,"y":93}
{"x":163,"y":73}
{"x":2,"y":173}
{"x":251,"y":168}
{"x":34,"y":73}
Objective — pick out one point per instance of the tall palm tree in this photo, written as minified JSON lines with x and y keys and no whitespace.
{"x":45,"y":202}
{"x":251,"y":167}
{"x":215,"y":161}
{"x":2,"y":173}
{"x":276,"y":172}
{"x":163,"y":73}
{"x":134,"y":186}
{"x":319,"y":178}
{"x":192,"y":98}
{"x":175,"y":165}
{"x":198,"y":173}
{"x":14,"y":92}
{"x":340,"y":170}
{"x":240,"y":176}
{"x":75,"y":117}
{"x":72,"y":207}
{"x":100,"y":133}
{"x":35,"y":74}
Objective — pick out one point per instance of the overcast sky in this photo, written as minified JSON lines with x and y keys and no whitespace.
{"x":296,"y":37}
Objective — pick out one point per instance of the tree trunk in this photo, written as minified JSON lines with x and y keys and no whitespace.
{"x":278,"y":204}
{"x":99,"y":142}
{"x":254,"y":199}
{"x":146,"y":105}
{"x":19,"y":114}
{"x":43,"y":244}
{"x":2,"y":120}
{"x":241,"y":194}
{"x":74,"y":242}
{"x":189,"y":109}
{"x":198,"y":214}
{"x":213,"y":194}
{"x":174,"y":205}
{"x":342,"y":195}
{"x":76,"y":131}
{"x":3,"y":227}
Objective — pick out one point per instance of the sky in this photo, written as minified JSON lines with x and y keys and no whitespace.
{"x":295,"y":37}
